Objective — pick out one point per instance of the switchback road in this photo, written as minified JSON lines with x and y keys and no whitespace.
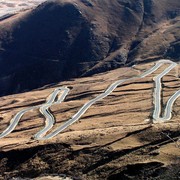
{"x":50,"y":120}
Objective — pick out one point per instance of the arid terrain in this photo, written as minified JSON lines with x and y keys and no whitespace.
{"x":115,"y":139}
{"x":84,"y":46}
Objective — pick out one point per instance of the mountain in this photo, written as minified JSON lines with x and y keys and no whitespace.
{"x":64,"y":39}
{"x":86,"y":91}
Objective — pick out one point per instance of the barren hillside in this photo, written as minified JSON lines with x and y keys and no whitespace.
{"x":60,"y":40}
{"x":103,"y":79}
{"x":115,"y":138}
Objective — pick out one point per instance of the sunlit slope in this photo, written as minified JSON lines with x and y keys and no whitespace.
{"x":113,"y":133}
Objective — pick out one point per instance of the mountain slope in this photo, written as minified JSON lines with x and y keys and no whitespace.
{"x":61,"y":39}
{"x":114,"y":139}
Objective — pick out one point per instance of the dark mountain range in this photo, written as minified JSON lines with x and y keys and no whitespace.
{"x":62,"y":39}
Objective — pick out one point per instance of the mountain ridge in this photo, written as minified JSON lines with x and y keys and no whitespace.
{"x":60,"y":40}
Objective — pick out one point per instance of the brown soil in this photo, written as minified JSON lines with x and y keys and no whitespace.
{"x":113,"y":139}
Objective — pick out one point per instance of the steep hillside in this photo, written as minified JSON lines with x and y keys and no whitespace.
{"x":63,"y":39}
{"x":114,"y":139}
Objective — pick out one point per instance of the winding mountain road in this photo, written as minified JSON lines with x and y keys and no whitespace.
{"x":50,"y":120}
{"x":157,"y":96}
{"x":44,"y":109}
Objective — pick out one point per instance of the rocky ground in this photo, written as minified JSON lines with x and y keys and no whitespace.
{"x":115,"y":138}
